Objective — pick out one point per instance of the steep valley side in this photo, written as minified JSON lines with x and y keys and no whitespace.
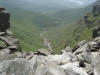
{"x":70,"y":34}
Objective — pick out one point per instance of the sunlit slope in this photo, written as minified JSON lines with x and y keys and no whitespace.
{"x":67,"y":34}
{"x":26,"y":31}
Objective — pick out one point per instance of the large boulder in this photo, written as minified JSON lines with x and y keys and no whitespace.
{"x":81,"y":49}
{"x":4,"y":51}
{"x":4,"y":20}
{"x":79,"y":45}
{"x":7,"y":57}
{"x":97,"y":65}
{"x":73,"y":69}
{"x":38,"y":65}
{"x":16,"y":67}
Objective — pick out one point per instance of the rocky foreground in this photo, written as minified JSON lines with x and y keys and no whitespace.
{"x":83,"y":59}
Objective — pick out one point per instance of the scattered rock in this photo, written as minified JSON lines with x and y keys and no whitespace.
{"x":67,"y":49}
{"x":19,"y":54}
{"x":4,"y":51}
{"x":81,"y":63}
{"x":82,"y":43}
{"x":82,"y":48}
{"x":42,"y":52}
{"x":13,"y":48}
{"x":9,"y":33}
{"x":97,"y":65}
{"x":79,"y":45}
{"x":96,"y":32}
{"x":94,"y":46}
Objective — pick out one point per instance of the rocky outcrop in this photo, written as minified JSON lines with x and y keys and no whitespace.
{"x":96,"y":32}
{"x":4,"y":20}
{"x":83,"y":61}
{"x":86,"y":19}
{"x":91,"y":18}
{"x":96,"y":10}
{"x":97,"y":65}
{"x":6,"y":36}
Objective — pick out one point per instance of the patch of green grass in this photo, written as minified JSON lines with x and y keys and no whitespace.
{"x":2,"y":44}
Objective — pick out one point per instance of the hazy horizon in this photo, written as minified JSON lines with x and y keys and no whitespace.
{"x":51,"y":3}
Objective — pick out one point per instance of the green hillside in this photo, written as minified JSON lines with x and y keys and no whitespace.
{"x":71,"y":34}
{"x":25,"y":30}
{"x":28,"y":27}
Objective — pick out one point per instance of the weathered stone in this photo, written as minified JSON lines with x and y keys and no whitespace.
{"x":81,"y":63}
{"x":7,"y":57}
{"x":38,"y":65}
{"x":96,"y":10}
{"x":9,"y":33}
{"x":2,"y":9}
{"x":94,"y":46}
{"x":4,"y":21}
{"x":19,"y":54}
{"x":79,"y":45}
{"x":73,"y":69}
{"x":81,"y":49}
{"x":13,"y":48}
{"x":97,"y":65}
{"x":16,"y":67}
{"x":4,"y":51}
{"x":82,"y":43}
{"x":42,"y":52}
{"x":2,"y":33}
{"x":87,"y":56}
{"x":9,"y":41}
{"x":67,"y":49}
{"x":4,"y":16}
{"x":96,"y":32}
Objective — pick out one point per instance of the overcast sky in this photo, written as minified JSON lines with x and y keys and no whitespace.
{"x":80,"y":2}
{"x":52,"y":3}
{"x":63,"y":2}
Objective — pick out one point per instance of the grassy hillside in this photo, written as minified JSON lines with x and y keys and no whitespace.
{"x":26,"y":31}
{"x":67,"y":34}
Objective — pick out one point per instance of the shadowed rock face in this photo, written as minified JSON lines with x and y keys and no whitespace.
{"x":96,"y":32}
{"x":96,"y":10}
{"x":4,"y":20}
{"x":6,"y":36}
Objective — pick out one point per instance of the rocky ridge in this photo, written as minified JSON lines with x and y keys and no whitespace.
{"x":83,"y":59}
